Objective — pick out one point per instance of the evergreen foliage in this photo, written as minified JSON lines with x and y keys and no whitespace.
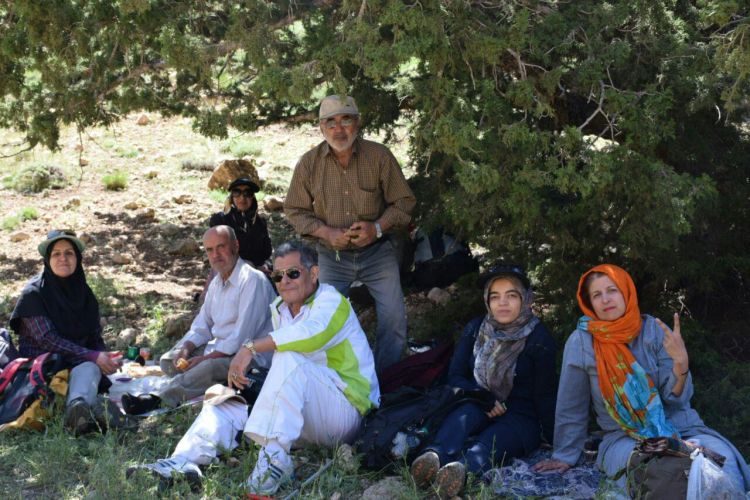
{"x":556,"y":133}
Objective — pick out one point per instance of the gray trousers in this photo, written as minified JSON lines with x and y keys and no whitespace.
{"x":377,"y":268}
{"x":194,"y":382}
{"x":83,"y":382}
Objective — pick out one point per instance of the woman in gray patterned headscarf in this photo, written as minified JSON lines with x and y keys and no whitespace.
{"x":507,"y":358}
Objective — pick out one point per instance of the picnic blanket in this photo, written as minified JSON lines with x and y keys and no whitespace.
{"x":583,"y":481}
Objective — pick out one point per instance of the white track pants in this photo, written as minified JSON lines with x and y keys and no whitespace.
{"x":300,"y":401}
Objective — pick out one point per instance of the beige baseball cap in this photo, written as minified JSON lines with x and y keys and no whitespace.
{"x":217,"y":394}
{"x":335,"y":105}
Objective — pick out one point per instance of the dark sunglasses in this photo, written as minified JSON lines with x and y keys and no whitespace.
{"x":242,"y":192}
{"x":60,"y":232}
{"x":293,"y":273}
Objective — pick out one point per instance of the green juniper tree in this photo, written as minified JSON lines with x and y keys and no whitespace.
{"x":553,"y":132}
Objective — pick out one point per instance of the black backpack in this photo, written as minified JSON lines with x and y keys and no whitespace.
{"x":405,"y":423}
{"x":24,"y":381}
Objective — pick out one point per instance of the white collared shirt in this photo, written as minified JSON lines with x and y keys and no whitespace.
{"x":235,"y":311}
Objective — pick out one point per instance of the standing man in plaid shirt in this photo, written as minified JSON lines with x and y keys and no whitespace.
{"x":348,"y":193}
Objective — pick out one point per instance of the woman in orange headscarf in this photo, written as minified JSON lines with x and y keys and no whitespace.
{"x":634,"y":370}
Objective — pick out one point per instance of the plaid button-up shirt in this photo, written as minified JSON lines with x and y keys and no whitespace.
{"x":371,"y":187}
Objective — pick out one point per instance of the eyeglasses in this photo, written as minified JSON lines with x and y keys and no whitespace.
{"x":293,"y":273}
{"x":246,"y":193}
{"x":60,"y":232}
{"x":330,"y":123}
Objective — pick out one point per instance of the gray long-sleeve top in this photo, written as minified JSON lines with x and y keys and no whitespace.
{"x":579,"y":387}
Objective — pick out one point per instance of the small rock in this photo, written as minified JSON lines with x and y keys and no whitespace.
{"x":3,"y":257}
{"x":121,"y":259}
{"x":83,"y":162}
{"x":78,"y":148}
{"x":151,"y":174}
{"x":389,"y":487}
{"x":346,"y":459}
{"x":19,"y":236}
{"x":336,"y":496}
{"x":183,"y":199}
{"x":165,"y":204}
{"x":147,"y":214}
{"x":167,"y":229}
{"x":439,"y":296}
{"x":186,"y":247}
{"x":133,"y":205}
{"x":128,"y":335}
{"x":273,"y":203}
{"x":72,"y":203}
{"x":87,"y":239}
{"x":143,"y":120}
{"x":176,"y":326}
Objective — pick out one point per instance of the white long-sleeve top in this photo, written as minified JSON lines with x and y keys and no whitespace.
{"x":235,"y":311}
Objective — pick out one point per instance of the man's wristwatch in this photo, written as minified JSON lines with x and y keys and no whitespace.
{"x":378,"y":231}
{"x":250,"y":345}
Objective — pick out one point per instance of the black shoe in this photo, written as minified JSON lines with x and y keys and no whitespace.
{"x":78,"y":417}
{"x":108,"y":416}
{"x":138,"y":405}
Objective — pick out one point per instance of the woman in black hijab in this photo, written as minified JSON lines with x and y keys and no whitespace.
{"x":57,"y":312}
{"x":241,"y":214}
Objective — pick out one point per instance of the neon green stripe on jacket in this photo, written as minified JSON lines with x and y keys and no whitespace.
{"x":318,"y":340}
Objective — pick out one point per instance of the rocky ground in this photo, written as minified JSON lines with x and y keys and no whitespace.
{"x":143,"y":256}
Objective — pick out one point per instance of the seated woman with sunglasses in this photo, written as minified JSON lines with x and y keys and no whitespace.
{"x":58,"y":313}
{"x":633,"y":371}
{"x":507,"y":358}
{"x":241,"y":214}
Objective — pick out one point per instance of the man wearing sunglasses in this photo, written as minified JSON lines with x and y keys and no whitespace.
{"x":321,"y":382}
{"x":348,"y":193}
{"x":235,"y":311}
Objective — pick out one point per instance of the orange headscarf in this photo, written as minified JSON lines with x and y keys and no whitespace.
{"x":638,"y":413}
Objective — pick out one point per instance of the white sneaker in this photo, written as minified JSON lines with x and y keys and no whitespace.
{"x":270,"y":472}
{"x":167,"y":468}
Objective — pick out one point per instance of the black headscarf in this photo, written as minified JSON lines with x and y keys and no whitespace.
{"x":68,"y":302}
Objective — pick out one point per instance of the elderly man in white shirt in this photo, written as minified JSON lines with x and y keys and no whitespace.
{"x":235,"y":311}
{"x":321,"y":382}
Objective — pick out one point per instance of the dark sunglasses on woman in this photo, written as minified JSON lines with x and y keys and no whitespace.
{"x":246,"y":193}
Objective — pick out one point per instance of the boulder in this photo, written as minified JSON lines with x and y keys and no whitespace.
{"x":186,"y":247}
{"x":19,"y":236}
{"x":439,"y":296}
{"x":273,"y":203}
{"x":229,"y":170}
{"x":176,"y":326}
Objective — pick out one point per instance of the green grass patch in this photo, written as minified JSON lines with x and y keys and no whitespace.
{"x":28,"y":213}
{"x":218,"y":195}
{"x":243,"y":146}
{"x":35,"y":178}
{"x":126,"y":152}
{"x":116,"y":181}
{"x":11,"y":222}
